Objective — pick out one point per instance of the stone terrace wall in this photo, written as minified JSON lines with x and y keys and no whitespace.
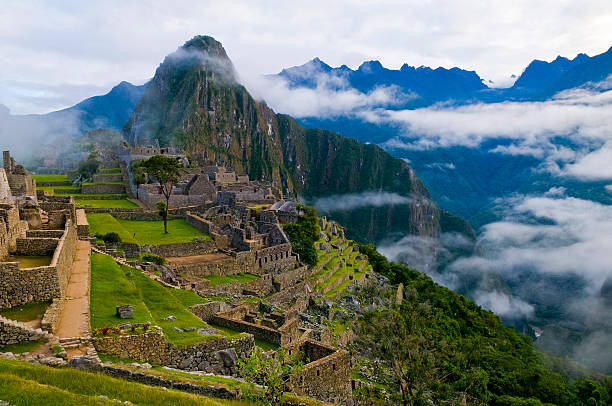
{"x":12,"y":332}
{"x":147,"y":347}
{"x":64,"y":255}
{"x":182,"y":250}
{"x":224,"y":267}
{"x":216,"y":356}
{"x":99,"y":188}
{"x":212,"y":356}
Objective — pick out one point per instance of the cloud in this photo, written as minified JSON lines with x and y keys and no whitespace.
{"x":69,"y":43}
{"x":503,"y":304}
{"x":331,"y":97}
{"x":555,"y":236}
{"x":353,"y":201}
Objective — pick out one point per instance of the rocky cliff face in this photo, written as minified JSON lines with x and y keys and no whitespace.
{"x":195,"y":102}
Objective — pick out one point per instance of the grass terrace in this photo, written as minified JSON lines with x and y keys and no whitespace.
{"x":30,"y":261}
{"x":106,"y":203}
{"x":216,"y":280}
{"x":152,"y":302}
{"x":144,"y":232}
{"x":44,"y":178}
{"x":103,"y":183}
{"x":110,"y":171}
{"x":22,"y":383}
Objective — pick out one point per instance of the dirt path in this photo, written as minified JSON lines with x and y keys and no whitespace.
{"x":74,"y":321}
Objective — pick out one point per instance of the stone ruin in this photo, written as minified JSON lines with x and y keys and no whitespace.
{"x":33,"y":223}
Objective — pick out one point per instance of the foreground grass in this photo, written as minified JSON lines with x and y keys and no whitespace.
{"x":144,"y":232}
{"x":216,"y":280}
{"x":152,"y":302}
{"x":27,"y":312}
{"x":22,"y":383}
{"x":107,"y":204}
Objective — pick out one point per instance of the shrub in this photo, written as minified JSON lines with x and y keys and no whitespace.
{"x":156,"y":259}
{"x":109,"y":237}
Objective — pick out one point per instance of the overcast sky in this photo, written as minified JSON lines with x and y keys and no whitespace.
{"x":55,"y":53}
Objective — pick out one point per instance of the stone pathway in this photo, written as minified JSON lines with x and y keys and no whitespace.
{"x":74,"y":320}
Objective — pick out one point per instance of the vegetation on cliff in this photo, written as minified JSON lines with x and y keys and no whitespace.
{"x":438,"y":346}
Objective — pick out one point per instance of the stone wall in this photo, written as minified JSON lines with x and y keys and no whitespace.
{"x":36,"y":246}
{"x":327,"y":377}
{"x":206,"y":311}
{"x":22,"y":286}
{"x":51,"y":317}
{"x":45,"y":233}
{"x":290,"y":278}
{"x":223,"y":267}
{"x":12,"y":332}
{"x":99,"y":188}
{"x":277,"y":258}
{"x":101,"y":178}
{"x":214,"y":356}
{"x":265,"y":333}
{"x":147,"y":347}
{"x":182,"y":250}
{"x":217,"y":356}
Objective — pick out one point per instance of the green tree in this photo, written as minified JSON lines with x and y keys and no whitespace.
{"x":273,"y":373}
{"x":166,"y":171}
{"x":304,"y":234}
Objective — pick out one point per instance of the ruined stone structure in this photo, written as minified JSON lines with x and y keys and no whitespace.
{"x":199,"y":185}
{"x":34,"y":224}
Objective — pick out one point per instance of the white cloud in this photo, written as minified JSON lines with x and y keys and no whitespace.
{"x":503,"y":304}
{"x":574,"y":239}
{"x":351,"y":201}
{"x":102,"y":43}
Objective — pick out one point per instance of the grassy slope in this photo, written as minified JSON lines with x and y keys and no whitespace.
{"x":146,"y":232}
{"x":152,"y":302}
{"x":22,"y":383}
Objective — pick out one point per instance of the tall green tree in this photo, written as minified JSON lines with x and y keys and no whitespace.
{"x":166,"y":171}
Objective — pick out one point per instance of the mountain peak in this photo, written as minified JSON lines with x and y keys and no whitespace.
{"x":371,"y":66}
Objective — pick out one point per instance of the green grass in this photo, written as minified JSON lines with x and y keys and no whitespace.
{"x":216,"y":280}
{"x":107,"y":171}
{"x":152,"y":302}
{"x":22,"y":383}
{"x":102,"y":183}
{"x":24,"y":346}
{"x":110,"y":204}
{"x":144,"y":232}
{"x":51,"y":178}
{"x":68,"y":188}
{"x":27,"y":312}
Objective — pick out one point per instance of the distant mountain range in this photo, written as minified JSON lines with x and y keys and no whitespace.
{"x":424,"y":86}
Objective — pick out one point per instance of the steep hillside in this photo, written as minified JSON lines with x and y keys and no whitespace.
{"x":195,"y":102}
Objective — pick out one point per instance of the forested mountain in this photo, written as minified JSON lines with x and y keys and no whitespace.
{"x":195,"y":102}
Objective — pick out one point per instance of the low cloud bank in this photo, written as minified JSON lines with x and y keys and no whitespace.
{"x":353,"y":201}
